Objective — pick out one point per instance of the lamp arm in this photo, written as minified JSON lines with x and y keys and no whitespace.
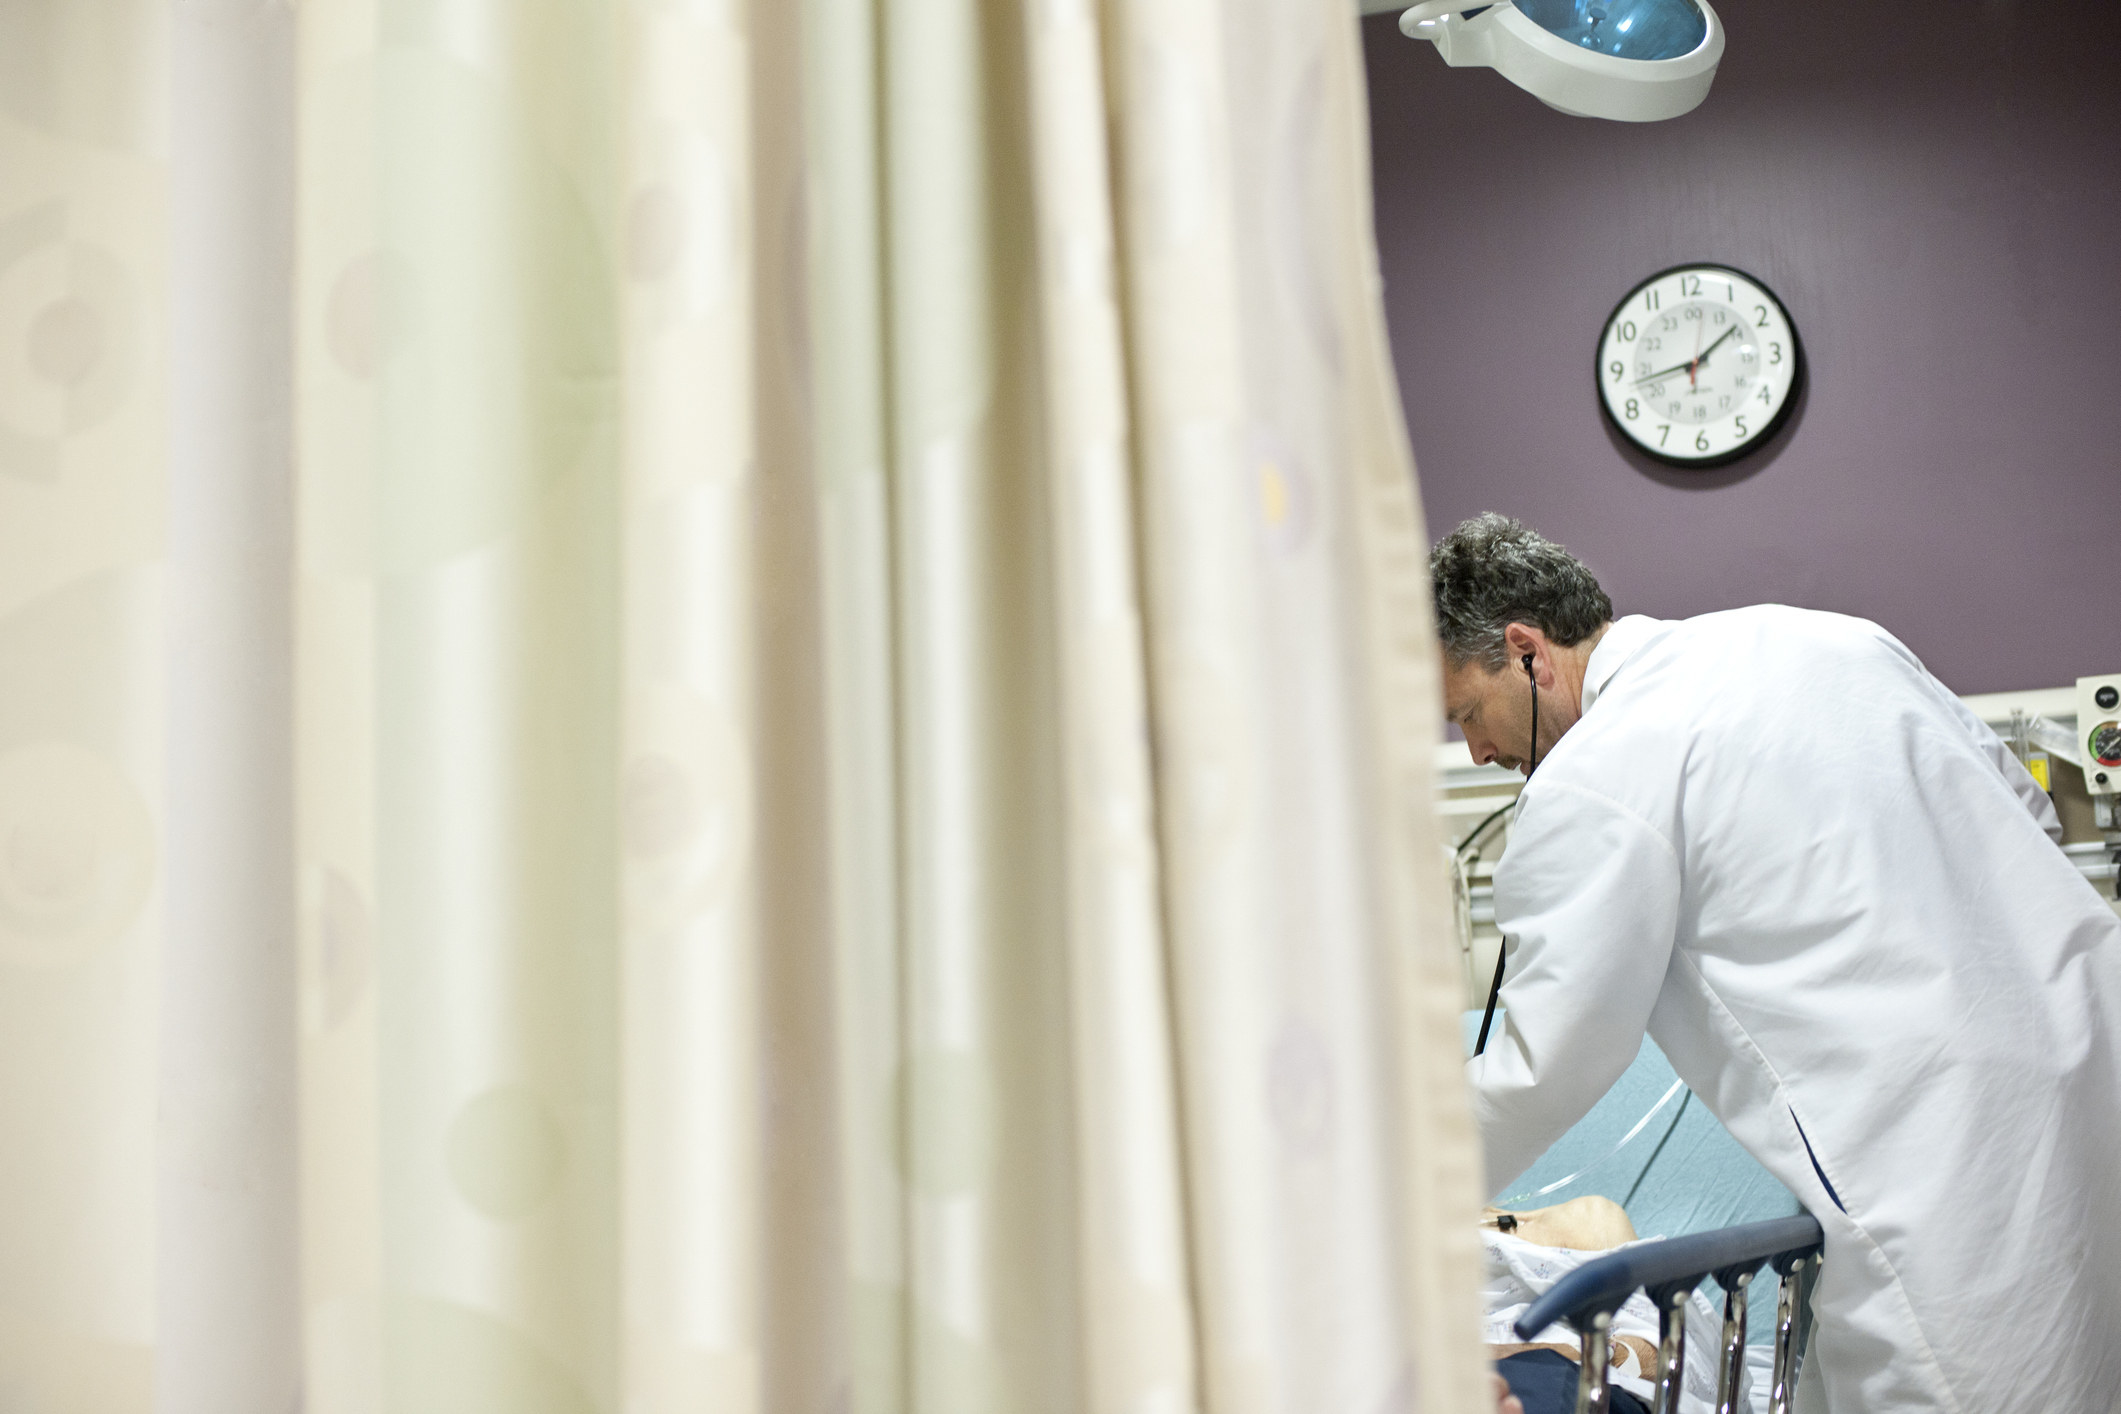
{"x":1429,"y":11}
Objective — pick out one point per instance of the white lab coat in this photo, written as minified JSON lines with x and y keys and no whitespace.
{"x":1833,"y":898}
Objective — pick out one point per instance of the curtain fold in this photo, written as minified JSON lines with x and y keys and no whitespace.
{"x":85,"y":826}
{"x":758,"y":740}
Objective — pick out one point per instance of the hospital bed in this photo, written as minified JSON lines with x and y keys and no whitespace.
{"x":1655,"y":1150}
{"x":1668,"y":1270}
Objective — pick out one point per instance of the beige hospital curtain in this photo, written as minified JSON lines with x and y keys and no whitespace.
{"x":713,"y":705}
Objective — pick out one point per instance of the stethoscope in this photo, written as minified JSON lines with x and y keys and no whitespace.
{"x":1531,"y":764}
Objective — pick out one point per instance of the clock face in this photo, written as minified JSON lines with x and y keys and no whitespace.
{"x":1698,"y":365}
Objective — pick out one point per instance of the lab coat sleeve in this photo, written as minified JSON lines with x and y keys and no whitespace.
{"x":2021,"y":781}
{"x":1587,"y":897}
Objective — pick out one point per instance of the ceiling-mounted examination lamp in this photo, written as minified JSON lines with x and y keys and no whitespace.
{"x":1631,"y":60}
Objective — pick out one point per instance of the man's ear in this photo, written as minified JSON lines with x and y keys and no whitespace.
{"x":1520,"y":640}
{"x":1524,"y":641}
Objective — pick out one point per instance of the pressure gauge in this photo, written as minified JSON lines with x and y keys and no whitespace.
{"x":1699,"y":365}
{"x":2104,"y":743}
{"x":2099,"y":728}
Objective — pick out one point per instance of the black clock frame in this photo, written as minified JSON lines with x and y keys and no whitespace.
{"x":1775,"y":424}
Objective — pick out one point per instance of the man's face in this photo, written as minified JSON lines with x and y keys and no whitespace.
{"x":1494,"y":709}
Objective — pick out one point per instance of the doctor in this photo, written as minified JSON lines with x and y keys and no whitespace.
{"x":1772,"y":840}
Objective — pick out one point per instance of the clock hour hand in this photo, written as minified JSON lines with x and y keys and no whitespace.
{"x":1662,"y":372}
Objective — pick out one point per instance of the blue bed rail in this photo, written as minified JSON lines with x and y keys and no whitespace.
{"x":1667,"y":1270}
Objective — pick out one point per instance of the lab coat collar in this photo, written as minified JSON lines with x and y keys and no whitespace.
{"x":1622,"y":639}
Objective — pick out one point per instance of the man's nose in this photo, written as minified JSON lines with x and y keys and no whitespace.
{"x":1482,"y":749}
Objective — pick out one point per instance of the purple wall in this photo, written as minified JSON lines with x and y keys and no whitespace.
{"x":1933,"y":189}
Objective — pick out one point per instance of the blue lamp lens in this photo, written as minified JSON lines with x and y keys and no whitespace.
{"x":1625,"y":29}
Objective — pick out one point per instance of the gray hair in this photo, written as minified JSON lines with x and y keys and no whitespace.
{"x":1492,"y":572}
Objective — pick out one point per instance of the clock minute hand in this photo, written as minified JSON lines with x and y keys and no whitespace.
{"x":1703,"y":357}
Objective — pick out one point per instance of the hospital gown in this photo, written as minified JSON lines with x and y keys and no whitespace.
{"x":1834,"y":899}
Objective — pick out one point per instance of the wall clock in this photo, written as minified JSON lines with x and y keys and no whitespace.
{"x":1699,"y":365}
